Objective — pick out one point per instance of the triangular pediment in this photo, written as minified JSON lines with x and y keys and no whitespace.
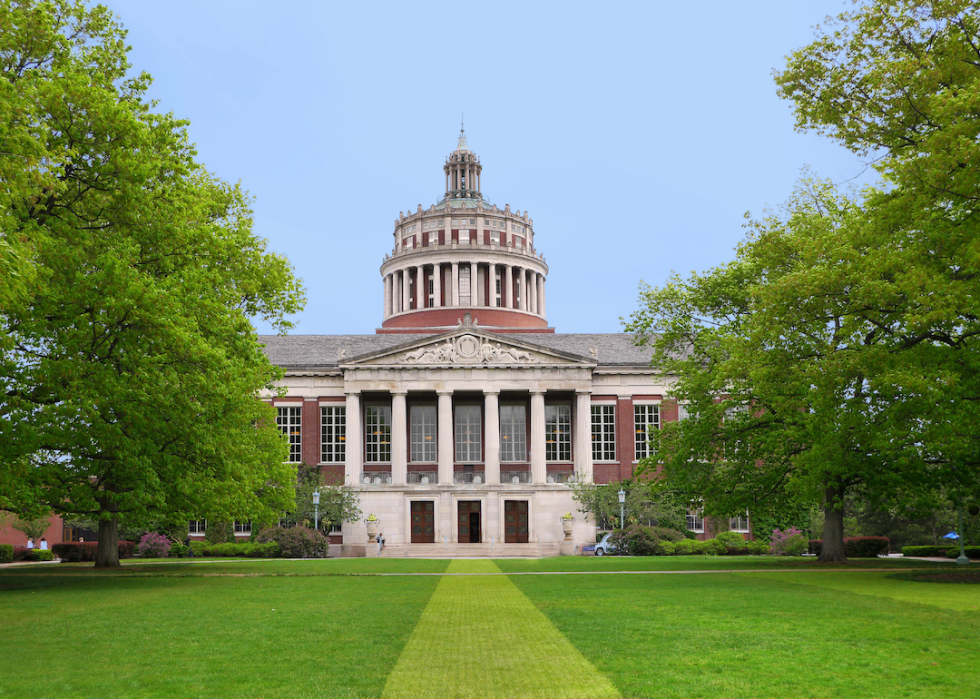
{"x":468,"y":346}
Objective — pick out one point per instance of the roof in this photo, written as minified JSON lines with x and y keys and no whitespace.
{"x":306,"y":351}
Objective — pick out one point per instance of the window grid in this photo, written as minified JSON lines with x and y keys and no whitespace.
{"x":377,"y":434}
{"x":333,"y":433}
{"x":289,"y":422}
{"x":645,"y":418}
{"x":558,"y":433}
{"x":243,"y":527}
{"x":422,"y":420}
{"x":513,"y":433}
{"x":464,"y":286}
{"x":739,"y":523}
{"x":197,"y":526}
{"x":468,"y":433}
{"x":695,"y":520}
{"x":603,"y":433}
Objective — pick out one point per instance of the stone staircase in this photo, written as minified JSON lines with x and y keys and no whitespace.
{"x":450,"y":550}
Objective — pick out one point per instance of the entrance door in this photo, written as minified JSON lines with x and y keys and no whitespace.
{"x":515,"y":521}
{"x":423,"y":522}
{"x":468,"y":520}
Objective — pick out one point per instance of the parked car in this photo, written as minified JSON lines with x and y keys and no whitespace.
{"x":605,"y":546}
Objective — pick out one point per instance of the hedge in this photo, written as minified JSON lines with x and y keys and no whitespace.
{"x":6,"y":553}
{"x":75,"y":551}
{"x":22,"y":553}
{"x":969,"y":551}
{"x":927,"y":551}
{"x":857,"y":546}
{"x":246,"y":550}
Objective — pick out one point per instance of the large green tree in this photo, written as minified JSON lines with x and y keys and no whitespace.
{"x":839,"y":348}
{"x":129,"y":368}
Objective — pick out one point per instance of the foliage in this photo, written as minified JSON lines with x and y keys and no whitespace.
{"x":154,"y":545}
{"x":32,"y":528}
{"x":734,"y":543}
{"x":968,"y":551}
{"x":338,"y":503}
{"x":75,"y":551}
{"x":927,"y":551}
{"x":246,"y":550}
{"x":6,"y":553}
{"x":220,"y":533}
{"x":788,"y":543}
{"x":647,"y":502}
{"x":177,"y":550}
{"x":295,"y":542}
{"x":858,"y":546}
{"x":641,"y":540}
{"x":39,"y":555}
{"x":130,"y":366}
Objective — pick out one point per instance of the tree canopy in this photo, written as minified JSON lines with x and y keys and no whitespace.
{"x":838,"y":349}
{"x":129,"y":368}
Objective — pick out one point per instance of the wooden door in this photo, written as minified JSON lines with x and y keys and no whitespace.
{"x":468,"y":522}
{"x":515,"y":522}
{"x":423,"y":522}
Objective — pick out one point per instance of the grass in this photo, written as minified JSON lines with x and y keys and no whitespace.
{"x":364,"y":628}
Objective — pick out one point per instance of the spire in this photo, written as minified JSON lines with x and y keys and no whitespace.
{"x":462,"y":135}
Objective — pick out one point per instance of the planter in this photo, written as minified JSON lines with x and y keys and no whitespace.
{"x":566,"y":525}
{"x":372,"y":529}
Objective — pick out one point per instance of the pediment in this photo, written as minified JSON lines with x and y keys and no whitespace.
{"x":467,"y":347}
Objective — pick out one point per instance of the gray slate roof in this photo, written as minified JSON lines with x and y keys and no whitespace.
{"x":307,"y":351}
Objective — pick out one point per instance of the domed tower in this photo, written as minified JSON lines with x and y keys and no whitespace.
{"x":464,"y":255}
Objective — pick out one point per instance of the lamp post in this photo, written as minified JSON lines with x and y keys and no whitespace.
{"x":316,"y":509}
{"x":622,"y":508}
{"x":962,"y":560}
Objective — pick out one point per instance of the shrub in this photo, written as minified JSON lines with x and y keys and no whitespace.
{"x":787,"y":543}
{"x":641,"y":540}
{"x":126,"y":549}
{"x":154,"y":545}
{"x":713,"y":547}
{"x":177,"y":551}
{"x":857,"y":546}
{"x":666,"y":548}
{"x":295,"y":542}
{"x":735,"y":545}
{"x":246,"y":550}
{"x":198,"y":547}
{"x":75,"y":551}
{"x":6,"y":553}
{"x":684,"y":547}
{"x":39,"y":555}
{"x":968,"y":551}
{"x":758,"y":547}
{"x":926,"y":551}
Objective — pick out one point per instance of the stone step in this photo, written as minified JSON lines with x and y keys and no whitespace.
{"x":470,"y":550}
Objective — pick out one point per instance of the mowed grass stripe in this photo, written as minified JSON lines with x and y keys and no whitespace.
{"x":481,"y":637}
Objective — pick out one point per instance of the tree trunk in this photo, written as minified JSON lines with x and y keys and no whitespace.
{"x":107,"y":555}
{"x":832,"y":550}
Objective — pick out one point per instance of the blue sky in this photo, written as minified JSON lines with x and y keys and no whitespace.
{"x":636,"y":134}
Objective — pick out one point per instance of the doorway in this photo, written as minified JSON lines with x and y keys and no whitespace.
{"x":468,"y":521}
{"x":423,"y":522}
{"x":515,"y":522}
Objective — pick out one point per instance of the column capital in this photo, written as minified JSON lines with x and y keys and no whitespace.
{"x":445,"y":392}
{"x":583,"y":391}
{"x":399,"y":392}
{"x":537,"y":391}
{"x":492,"y":392}
{"x":352,"y":392}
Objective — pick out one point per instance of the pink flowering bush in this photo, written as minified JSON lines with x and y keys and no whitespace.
{"x":154,"y":545}
{"x":788,"y":543}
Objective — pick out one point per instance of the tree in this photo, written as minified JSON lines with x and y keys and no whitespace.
{"x":32,"y":528}
{"x":338,"y":503}
{"x":647,"y":502}
{"x":129,"y":369}
{"x":839,"y":348}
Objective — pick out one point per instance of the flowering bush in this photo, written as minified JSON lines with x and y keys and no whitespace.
{"x":788,"y":543}
{"x":154,"y":545}
{"x":295,"y":542}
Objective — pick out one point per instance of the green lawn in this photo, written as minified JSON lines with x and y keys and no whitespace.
{"x":367,"y":628}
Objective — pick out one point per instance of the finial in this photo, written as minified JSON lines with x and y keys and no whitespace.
{"x":461,"y":129}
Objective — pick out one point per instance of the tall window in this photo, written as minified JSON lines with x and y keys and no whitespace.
{"x":695,"y":519}
{"x":333,"y":432}
{"x":645,"y":418}
{"x":377,"y":433}
{"x":197,"y":526}
{"x":513,"y":433}
{"x":557,"y":432}
{"x":603,"y":433}
{"x":243,"y":527}
{"x":682,"y":413}
{"x":739,"y":523}
{"x":289,"y":423}
{"x":464,"y":286}
{"x":469,"y":432}
{"x":496,"y":292}
{"x":422,"y":419}
{"x":430,"y":300}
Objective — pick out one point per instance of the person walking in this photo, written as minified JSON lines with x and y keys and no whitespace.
{"x":190,"y":549}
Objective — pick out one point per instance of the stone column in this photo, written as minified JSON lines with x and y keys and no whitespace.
{"x":582,"y":436}
{"x":419,"y":295}
{"x":508,"y":291}
{"x":446,"y":438}
{"x":405,"y":287}
{"x":539,"y":470}
{"x":387,"y":300}
{"x":491,"y":420}
{"x":492,"y":285}
{"x":474,"y":287}
{"x":352,"y":439}
{"x":454,"y":297}
{"x":541,"y":307}
{"x":437,"y":285}
{"x":399,"y":439}
{"x":533,"y":287}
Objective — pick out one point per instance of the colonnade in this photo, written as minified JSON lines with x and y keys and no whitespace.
{"x":407,"y":289}
{"x":581,"y":437}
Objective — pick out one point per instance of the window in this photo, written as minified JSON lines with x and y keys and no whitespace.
{"x":497,"y":289}
{"x":243,"y":527}
{"x":411,"y":291}
{"x":197,"y":526}
{"x":513,"y":433}
{"x":464,"y":286}
{"x":333,"y":432}
{"x":495,"y":237}
{"x":603,"y":433}
{"x":464,"y":237}
{"x":682,"y":413}
{"x":430,"y":301}
{"x":517,"y":292}
{"x":409,"y":242}
{"x":288,"y":420}
{"x":739,"y":523}
{"x":468,"y":433}
{"x":434,"y":238}
{"x":377,"y":433}
{"x":645,"y":418}
{"x":695,"y":519}
{"x":422,"y":419}
{"x":558,"y":432}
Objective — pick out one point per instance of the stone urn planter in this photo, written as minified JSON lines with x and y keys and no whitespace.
{"x":372,"y":528}
{"x":566,"y":525}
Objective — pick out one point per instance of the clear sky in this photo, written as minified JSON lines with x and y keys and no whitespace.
{"x":636,"y":134}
